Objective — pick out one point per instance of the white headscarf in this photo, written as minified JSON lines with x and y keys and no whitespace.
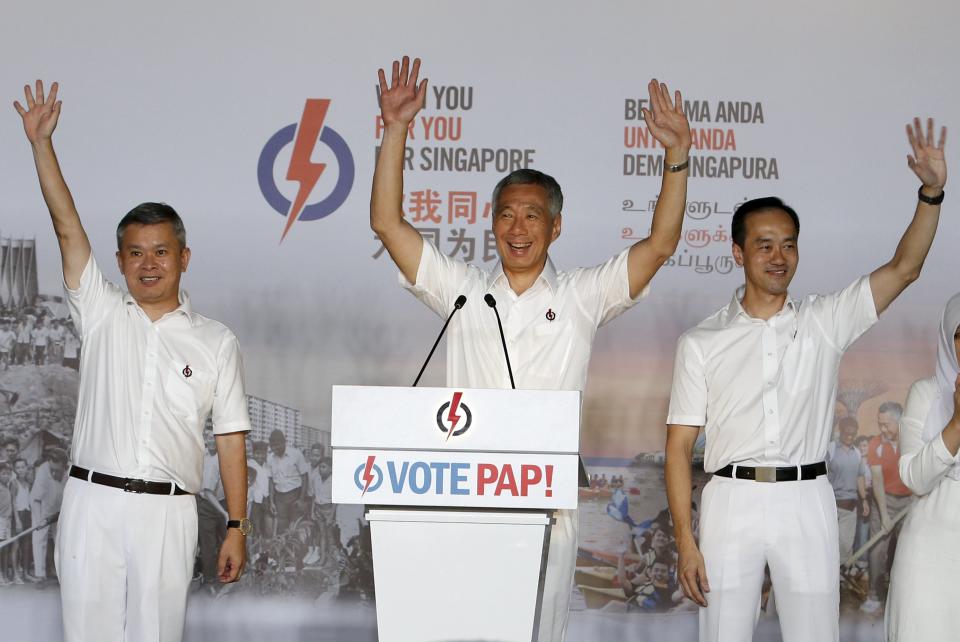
{"x":941,"y":410}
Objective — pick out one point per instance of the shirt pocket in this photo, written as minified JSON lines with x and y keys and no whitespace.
{"x":188,"y":397}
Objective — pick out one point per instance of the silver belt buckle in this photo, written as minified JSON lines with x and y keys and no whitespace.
{"x":765,"y":473}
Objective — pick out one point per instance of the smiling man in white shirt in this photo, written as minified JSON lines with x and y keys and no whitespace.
{"x":550,"y":317}
{"x":151,"y":371}
{"x":760,"y":376}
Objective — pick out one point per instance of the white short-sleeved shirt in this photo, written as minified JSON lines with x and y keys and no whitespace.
{"x":549,"y":328}
{"x":320,"y":488}
{"x":147,"y":388}
{"x":287,"y":471}
{"x":261,"y":486}
{"x":765,"y":390}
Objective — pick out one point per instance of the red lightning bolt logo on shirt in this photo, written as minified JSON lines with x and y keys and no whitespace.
{"x":302,"y":169}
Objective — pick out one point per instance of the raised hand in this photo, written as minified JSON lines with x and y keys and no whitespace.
{"x":403,"y":98}
{"x":927,"y":160}
{"x":41,"y":115}
{"x":665,"y":118}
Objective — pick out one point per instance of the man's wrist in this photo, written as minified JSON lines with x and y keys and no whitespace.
{"x":676,"y":155}
{"x":931,"y":194}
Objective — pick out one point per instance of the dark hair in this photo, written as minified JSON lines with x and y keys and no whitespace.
{"x":5,"y":466}
{"x":153,"y":214}
{"x":532,"y":177}
{"x":277,"y":436}
{"x":19,"y":459}
{"x":849,"y":421}
{"x":892,"y":408}
{"x":738,"y":226}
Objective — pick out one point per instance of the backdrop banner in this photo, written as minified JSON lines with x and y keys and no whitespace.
{"x":199,"y":105}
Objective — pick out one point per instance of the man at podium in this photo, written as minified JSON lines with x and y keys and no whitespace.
{"x":549,"y":316}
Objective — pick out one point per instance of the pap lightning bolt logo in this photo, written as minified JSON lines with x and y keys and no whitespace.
{"x":367,"y":476}
{"x":453,"y":417}
{"x":306,"y":137}
{"x":302,"y":169}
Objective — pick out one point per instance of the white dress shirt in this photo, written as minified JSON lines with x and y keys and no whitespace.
{"x":146,"y":388}
{"x":287,"y":471}
{"x":549,"y":328}
{"x":765,"y":390}
{"x":261,"y":486}
{"x":923,"y":464}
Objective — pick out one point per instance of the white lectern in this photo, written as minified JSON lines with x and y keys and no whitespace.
{"x":460,"y":486}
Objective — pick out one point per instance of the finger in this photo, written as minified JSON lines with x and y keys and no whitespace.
{"x":913,"y":139}
{"x":404,"y":70}
{"x":395,"y":75}
{"x":678,"y":102}
{"x":666,"y":95}
{"x":19,"y":108}
{"x":422,"y":93}
{"x":29,"y":95}
{"x":382,"y":77}
{"x":943,"y":138}
{"x":648,"y":117}
{"x":656,"y":100}
{"x":918,"y":131}
{"x":694,"y":588}
{"x":704,"y":582}
{"x":39,"y":91}
{"x":415,"y":72}
{"x":911,"y":162}
{"x":52,"y":98}
{"x":929,"y":132}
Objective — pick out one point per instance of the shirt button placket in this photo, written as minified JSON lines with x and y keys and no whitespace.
{"x":770,"y":402}
{"x":149,"y":388}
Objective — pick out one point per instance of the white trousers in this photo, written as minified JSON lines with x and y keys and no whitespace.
{"x":847,"y":526}
{"x":558,"y":583}
{"x":40,"y":537}
{"x":124,"y":562}
{"x":790,"y":526}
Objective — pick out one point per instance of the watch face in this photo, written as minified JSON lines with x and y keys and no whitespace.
{"x":246,"y":526}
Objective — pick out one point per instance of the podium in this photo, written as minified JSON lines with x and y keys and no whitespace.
{"x":459,"y":486}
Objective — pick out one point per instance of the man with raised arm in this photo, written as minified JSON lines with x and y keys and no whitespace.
{"x":550,"y":317}
{"x":151,"y":371}
{"x":760,"y":375}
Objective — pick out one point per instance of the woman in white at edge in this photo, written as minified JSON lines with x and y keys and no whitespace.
{"x":923,"y":599}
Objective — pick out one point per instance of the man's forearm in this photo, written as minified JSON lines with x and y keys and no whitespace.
{"x":386,"y":200}
{"x":880,"y":494}
{"x":231,"y":450}
{"x":74,"y":245}
{"x":679,"y":488}
{"x":671,"y":204}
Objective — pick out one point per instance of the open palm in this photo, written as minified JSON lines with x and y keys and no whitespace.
{"x":41,"y":115}
{"x":927,"y":160}
{"x":403,"y":98}
{"x":665,"y":119}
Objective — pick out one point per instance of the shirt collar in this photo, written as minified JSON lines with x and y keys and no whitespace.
{"x":548,"y":274}
{"x":735,"y":309}
{"x":185,"y":308}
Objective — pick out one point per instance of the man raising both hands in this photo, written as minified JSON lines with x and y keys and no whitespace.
{"x":151,"y":371}
{"x":550,"y":317}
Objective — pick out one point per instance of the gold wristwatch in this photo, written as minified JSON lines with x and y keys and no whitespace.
{"x":245,"y":526}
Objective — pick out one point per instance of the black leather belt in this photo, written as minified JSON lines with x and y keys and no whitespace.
{"x":127,"y":484}
{"x":775,"y":473}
